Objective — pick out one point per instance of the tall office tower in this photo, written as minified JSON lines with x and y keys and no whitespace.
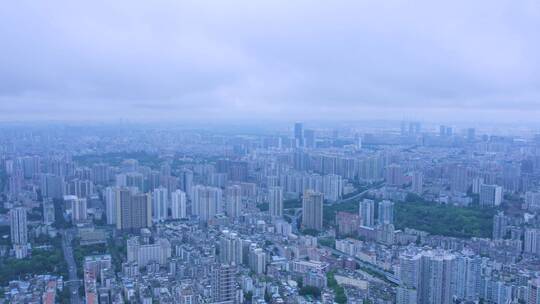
{"x":133,"y":211}
{"x":394,"y":175}
{"x":458,"y":179}
{"x":309,"y":138}
{"x":160,"y":204}
{"x":312,"y":210}
{"x":476,"y":183}
{"x":532,"y":241}
{"x":299,"y":134}
{"x":78,"y":209}
{"x":332,"y":187}
{"x":257,"y":260}
{"x":206,"y":202}
{"x":48,"y":213}
{"x":110,"y":204}
{"x":52,"y":186}
{"x":100,"y":174}
{"x":366,"y":211}
{"x":499,"y":225}
{"x":417,"y":182}
{"x":224,"y":284}
{"x":233,"y":196}
{"x":490,"y":195}
{"x":275,"y":201}
{"x":186,"y":182}
{"x":230,"y":248}
{"x":178,"y":204}
{"x":471,"y":134}
{"x":386,"y":212}
{"x":19,"y":231}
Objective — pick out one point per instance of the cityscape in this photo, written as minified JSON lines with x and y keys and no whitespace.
{"x":142,"y":214}
{"x":270,"y":152}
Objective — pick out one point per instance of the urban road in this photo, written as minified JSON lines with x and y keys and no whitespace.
{"x":74,"y":282}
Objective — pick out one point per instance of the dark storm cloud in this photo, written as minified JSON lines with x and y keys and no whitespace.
{"x":268,"y":59}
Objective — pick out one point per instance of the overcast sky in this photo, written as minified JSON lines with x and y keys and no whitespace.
{"x":270,"y":60}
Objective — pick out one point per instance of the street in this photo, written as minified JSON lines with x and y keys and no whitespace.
{"x":73,"y":282}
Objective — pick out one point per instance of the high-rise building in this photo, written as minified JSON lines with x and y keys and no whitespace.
{"x":48,"y":213}
{"x":275,"y":201}
{"x":31,"y":165}
{"x":133,"y":210}
{"x":257,"y":260}
{"x":52,"y":186}
{"x":533,"y":291}
{"x":476,"y":183}
{"x":160,"y":204}
{"x":432,"y":273}
{"x":81,"y":188}
{"x":459,"y":180}
{"x":499,"y":225}
{"x":406,"y":296}
{"x":230,"y":248}
{"x":347,"y":223}
{"x":418,"y":182}
{"x":532,"y":241}
{"x":366,"y":211}
{"x":206,"y":202}
{"x":186,"y":182}
{"x":233,"y":201}
{"x":468,"y":271}
{"x":471,"y":134}
{"x":312,"y":210}
{"x":532,"y":199}
{"x":332,"y":187}
{"x":100,"y":174}
{"x":144,"y":252}
{"x":309,"y":138}
{"x":110,"y":204}
{"x":178,"y":204}
{"x":299,"y":134}
{"x":386,"y":212}
{"x":224,"y":284}
{"x":394,"y":175}
{"x":490,"y":195}
{"x":19,"y":231}
{"x":78,"y":207}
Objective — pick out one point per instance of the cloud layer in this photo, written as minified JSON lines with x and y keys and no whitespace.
{"x":193,"y":60}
